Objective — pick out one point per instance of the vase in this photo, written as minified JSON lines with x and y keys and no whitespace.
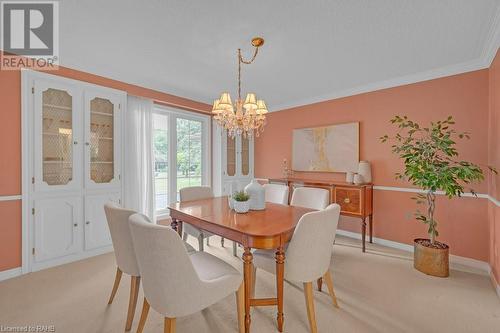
{"x":358,"y":179}
{"x":257,"y":195}
{"x":241,"y":206}
{"x":365,"y":170}
{"x":349,"y":177}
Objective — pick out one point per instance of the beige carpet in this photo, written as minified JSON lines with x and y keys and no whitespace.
{"x":378,"y":291}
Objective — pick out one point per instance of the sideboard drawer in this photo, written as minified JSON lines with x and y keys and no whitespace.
{"x":349,"y":199}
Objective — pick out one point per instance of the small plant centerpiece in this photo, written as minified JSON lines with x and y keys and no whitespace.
{"x":431,"y":163}
{"x":241,"y":202}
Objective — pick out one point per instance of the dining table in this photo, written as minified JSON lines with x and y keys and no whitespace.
{"x":267,"y":229}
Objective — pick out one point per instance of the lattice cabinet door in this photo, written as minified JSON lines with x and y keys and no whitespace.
{"x":56,"y":136}
{"x":102,"y":138}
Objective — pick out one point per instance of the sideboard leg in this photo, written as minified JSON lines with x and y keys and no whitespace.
{"x":363,"y":234}
{"x":370,"y":221}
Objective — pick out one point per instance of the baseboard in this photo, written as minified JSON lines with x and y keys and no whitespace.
{"x":456,"y":262}
{"x":495,"y":283}
{"x":10,"y":273}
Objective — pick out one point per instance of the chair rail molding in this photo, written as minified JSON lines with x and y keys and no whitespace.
{"x":10,"y":197}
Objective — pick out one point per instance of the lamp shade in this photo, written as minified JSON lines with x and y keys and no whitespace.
{"x":250,"y":102}
{"x":225,"y":100}
{"x":261,"y":107}
{"x":216,"y":107}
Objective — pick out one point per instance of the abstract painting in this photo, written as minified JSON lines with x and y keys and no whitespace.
{"x":333,"y":148}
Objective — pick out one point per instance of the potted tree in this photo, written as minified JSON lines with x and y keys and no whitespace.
{"x":431,"y":163}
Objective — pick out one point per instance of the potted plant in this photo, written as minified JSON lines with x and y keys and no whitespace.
{"x":431,"y":163}
{"x":241,"y":202}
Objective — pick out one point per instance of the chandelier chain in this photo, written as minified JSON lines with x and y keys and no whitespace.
{"x":246,"y":62}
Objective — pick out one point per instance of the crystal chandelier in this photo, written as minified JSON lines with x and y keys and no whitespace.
{"x":244,"y":117}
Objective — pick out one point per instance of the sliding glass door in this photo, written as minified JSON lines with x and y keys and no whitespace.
{"x":181,"y":146}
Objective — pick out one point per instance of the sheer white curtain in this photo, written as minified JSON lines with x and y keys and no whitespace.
{"x":138,"y":186}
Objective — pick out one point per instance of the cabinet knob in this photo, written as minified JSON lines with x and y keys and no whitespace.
{"x":75,"y":225}
{"x":75,"y":142}
{"x":87,"y":144}
{"x":347,"y":200}
{"x":88,"y":222}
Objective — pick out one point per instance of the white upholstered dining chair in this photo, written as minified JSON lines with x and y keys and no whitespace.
{"x":126,"y":262}
{"x":175,"y":283}
{"x":196,"y":193}
{"x":308,"y":255}
{"x":276,"y":193}
{"x":310,"y":197}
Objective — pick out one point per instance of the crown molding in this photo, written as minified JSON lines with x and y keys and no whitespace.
{"x":487,"y":54}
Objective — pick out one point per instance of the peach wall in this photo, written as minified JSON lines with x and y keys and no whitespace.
{"x":494,"y":160}
{"x":10,"y":146}
{"x":464,"y":226}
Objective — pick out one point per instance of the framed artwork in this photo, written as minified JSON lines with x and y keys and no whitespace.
{"x":333,"y":148}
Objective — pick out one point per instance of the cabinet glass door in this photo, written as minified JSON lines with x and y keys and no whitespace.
{"x":55,"y":137}
{"x":101,"y":139}
{"x":231,"y":156}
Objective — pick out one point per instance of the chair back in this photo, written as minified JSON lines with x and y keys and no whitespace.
{"x":276,"y":193}
{"x":310,"y":197}
{"x":310,"y":250}
{"x":195,"y":193}
{"x":117,"y":218}
{"x":169,"y":280}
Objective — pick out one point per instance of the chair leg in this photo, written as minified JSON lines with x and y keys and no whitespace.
{"x":169,"y":325}
{"x":132,"y":302}
{"x":329,"y":282}
{"x":144,"y":316}
{"x":235,"y":253}
{"x":200,"y":243}
{"x":240,"y":306}
{"x":308,"y":293}
{"x":254,"y":279}
{"x":118,"y":277}
{"x":208,"y":242}
{"x":184,"y":237}
{"x":222,"y":241}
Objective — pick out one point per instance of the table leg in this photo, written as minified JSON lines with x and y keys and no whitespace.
{"x":370,"y":221}
{"x":363,"y":233}
{"x":320,"y":283}
{"x":179,"y":227}
{"x":174,"y":224}
{"x":280,"y":275}
{"x":247,"y":276}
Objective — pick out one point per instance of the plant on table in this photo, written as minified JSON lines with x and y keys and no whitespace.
{"x":241,"y":196}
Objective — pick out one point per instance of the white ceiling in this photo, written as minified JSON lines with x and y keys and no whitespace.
{"x":315,"y":50}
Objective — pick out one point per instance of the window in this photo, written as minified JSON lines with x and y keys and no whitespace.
{"x":181,"y":148}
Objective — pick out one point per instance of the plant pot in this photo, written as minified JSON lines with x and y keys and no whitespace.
{"x":241,"y":206}
{"x":431,"y":260}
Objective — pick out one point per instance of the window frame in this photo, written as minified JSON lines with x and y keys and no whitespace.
{"x":206,"y":163}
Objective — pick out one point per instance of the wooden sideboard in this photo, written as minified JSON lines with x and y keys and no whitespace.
{"x":354,"y":200}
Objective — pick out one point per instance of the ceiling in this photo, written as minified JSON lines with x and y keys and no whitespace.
{"x":315,"y":50}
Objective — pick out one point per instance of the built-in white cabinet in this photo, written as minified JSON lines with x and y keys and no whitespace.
{"x":96,"y":227}
{"x":73,"y":135}
{"x":57,"y":223}
{"x":233,"y":161}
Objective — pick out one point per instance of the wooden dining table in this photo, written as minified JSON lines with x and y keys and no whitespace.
{"x":268,"y":229}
